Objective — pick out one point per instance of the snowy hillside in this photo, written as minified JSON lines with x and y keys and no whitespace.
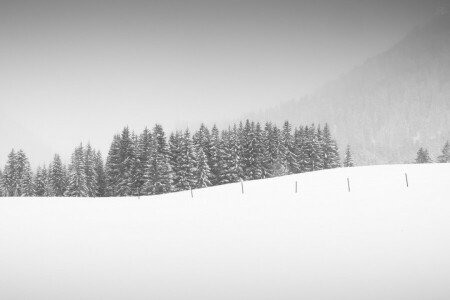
{"x":381,"y":240}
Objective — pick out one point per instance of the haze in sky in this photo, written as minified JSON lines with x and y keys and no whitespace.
{"x":79,"y":71}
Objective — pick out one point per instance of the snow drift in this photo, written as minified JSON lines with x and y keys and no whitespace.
{"x":381,"y":240}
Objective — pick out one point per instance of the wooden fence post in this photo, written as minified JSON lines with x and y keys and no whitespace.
{"x":406,"y":177}
{"x":296,"y":186}
{"x":348,"y":184}
{"x":242,"y":186}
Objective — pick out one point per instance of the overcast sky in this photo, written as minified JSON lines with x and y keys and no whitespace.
{"x":78,"y":71}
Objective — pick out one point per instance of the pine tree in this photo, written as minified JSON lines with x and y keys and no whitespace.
{"x":100,"y":173}
{"x":112,"y":168}
{"x":202,"y":172}
{"x":299,"y":145}
{"x":348,"y":158}
{"x":252,"y":151}
{"x":423,"y":157}
{"x":126,"y":164}
{"x":311,"y":149}
{"x":289,"y":157}
{"x":10,"y":182}
{"x":77,"y":186}
{"x":330,"y":150}
{"x":186,"y":164}
{"x":445,"y":156}
{"x":229,"y":150}
{"x":143,"y":154}
{"x":39,"y":183}
{"x":158,"y":177}
{"x":57,"y":177}
{"x":24,"y":175}
{"x":214,"y":160}
{"x":89,"y":170}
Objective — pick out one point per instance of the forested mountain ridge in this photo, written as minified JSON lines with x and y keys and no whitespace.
{"x":391,"y":104}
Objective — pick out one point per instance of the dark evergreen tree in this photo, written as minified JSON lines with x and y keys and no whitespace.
{"x":89,"y":170}
{"x":185,"y":176}
{"x":112,"y":168}
{"x":229,"y":149}
{"x":77,"y":186}
{"x":288,"y":155}
{"x":175,"y":143}
{"x":143,"y":154}
{"x":10,"y":180}
{"x":126,"y":164}
{"x":100,"y":175}
{"x":311,"y":150}
{"x":39,"y":183}
{"x":24,"y":175}
{"x":423,"y":157}
{"x":445,"y":156}
{"x":330,"y":150}
{"x":57,"y":177}
{"x":202,"y":172}
{"x":158,"y":177}
{"x":214,"y":159}
{"x":348,"y":158}
{"x":299,"y":141}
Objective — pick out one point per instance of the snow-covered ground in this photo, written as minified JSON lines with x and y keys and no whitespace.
{"x":382,"y":240}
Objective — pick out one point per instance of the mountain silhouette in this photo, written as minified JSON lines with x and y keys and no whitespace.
{"x":389,"y":106}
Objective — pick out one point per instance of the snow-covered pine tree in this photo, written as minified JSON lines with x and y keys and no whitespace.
{"x":10,"y":182}
{"x":252,"y":151}
{"x":100,"y":173}
{"x":311,"y":150}
{"x":229,"y":150}
{"x":39,"y":183}
{"x":289,"y":157}
{"x":214,"y":160}
{"x":112,"y":168}
{"x":24,"y":175}
{"x":268,"y":148}
{"x":175,"y":141}
{"x":330,"y":152}
{"x":248,"y":151}
{"x":57,"y":177}
{"x":187,"y":163}
{"x":143,"y":153}
{"x":48,"y":184}
{"x":445,"y":156}
{"x":278,"y":168}
{"x":423,"y":157}
{"x":201,"y":138}
{"x":126,"y":164}
{"x":158,"y":177}
{"x":89,"y":170}
{"x":77,"y":186}
{"x":258,"y":150}
{"x":348,"y":158}
{"x":202,"y":172}
{"x":299,"y":144}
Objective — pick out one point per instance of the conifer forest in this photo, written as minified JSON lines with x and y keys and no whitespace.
{"x":153,"y":163}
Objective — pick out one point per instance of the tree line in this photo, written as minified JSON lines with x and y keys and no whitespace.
{"x":152,"y":163}
{"x":423,"y":156}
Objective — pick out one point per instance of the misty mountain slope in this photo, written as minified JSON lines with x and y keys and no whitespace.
{"x":382,"y":240}
{"x":392,"y":104}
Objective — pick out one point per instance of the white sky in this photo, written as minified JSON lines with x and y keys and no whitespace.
{"x":78,"y":71}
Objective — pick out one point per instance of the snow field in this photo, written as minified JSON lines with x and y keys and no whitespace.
{"x":382,"y":240}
